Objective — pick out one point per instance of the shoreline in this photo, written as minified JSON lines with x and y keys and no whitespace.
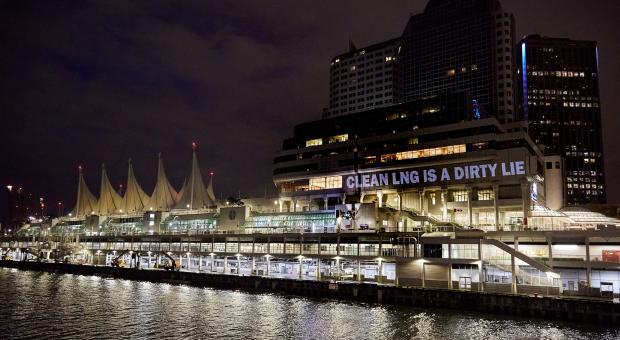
{"x":555,"y":308}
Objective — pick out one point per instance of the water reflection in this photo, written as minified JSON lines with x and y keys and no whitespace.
{"x":43,"y":305}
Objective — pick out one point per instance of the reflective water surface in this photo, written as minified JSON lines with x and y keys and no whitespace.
{"x":53,"y":306}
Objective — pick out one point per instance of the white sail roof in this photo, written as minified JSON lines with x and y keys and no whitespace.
{"x":86,"y":202}
{"x":110,"y":202}
{"x":194,"y":194}
{"x":210,"y":188}
{"x":164,"y":196}
{"x":135,"y":198}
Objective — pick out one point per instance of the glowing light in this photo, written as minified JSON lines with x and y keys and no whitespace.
{"x":9,"y":187}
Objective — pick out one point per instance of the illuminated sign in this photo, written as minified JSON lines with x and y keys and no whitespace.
{"x":434,"y":175}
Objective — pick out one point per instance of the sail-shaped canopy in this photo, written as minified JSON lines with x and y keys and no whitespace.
{"x":135,"y":198}
{"x":86,"y":202}
{"x":194,"y":195}
{"x":210,"y":188}
{"x":164,"y":196}
{"x":110,"y":202}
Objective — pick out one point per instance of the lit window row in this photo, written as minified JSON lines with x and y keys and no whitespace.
{"x":563,"y":74}
{"x":329,"y":182}
{"x":577,"y":104}
{"x":329,"y":140}
{"x":444,"y":150}
{"x":583,"y":186}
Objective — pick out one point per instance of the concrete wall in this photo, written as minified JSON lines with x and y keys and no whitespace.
{"x":604,"y":312}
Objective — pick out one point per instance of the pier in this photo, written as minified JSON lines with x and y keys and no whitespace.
{"x":533,"y":306}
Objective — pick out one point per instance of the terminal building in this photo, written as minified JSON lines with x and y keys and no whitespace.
{"x":442,"y":189}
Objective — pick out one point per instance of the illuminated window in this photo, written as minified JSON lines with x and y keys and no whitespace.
{"x":451,"y":72}
{"x":338,"y":138}
{"x":485,"y":195}
{"x":460,"y":196}
{"x":322,"y":183}
{"x":314,"y":142}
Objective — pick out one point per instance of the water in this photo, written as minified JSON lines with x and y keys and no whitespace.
{"x":55,"y":306}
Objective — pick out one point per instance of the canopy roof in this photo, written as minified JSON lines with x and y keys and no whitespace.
{"x":194,"y":195}
{"x":110,"y":201}
{"x":86,"y":202}
{"x":164,"y":196}
{"x":135,"y":198}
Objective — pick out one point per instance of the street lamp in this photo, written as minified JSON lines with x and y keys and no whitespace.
{"x":9,"y":187}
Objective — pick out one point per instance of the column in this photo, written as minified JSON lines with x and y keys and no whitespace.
{"x":444,"y":205}
{"x":294,"y":202}
{"x":225,"y":264}
{"x":268,"y":265}
{"x":380,"y":198}
{"x":238,"y":265}
{"x":450,"y":266}
{"x":380,"y":264}
{"x":325,"y":201}
{"x":480,"y":267}
{"x":338,"y":267}
{"x":200,"y":263}
{"x":253,"y":265}
{"x":189,"y":262}
{"x":212,"y":262}
{"x":513,"y":268}
{"x":525,"y":194}
{"x":550,"y":251}
{"x":469,"y":212}
{"x":421,"y":200}
{"x":318,"y":269}
{"x":301,"y":266}
{"x":496,"y":206}
{"x":149,"y":265}
{"x":588,"y":264}
{"x":359,"y":270}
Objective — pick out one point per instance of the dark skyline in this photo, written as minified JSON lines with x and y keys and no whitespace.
{"x":100,"y":82}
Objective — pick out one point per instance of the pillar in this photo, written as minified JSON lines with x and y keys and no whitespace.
{"x":325,"y":201}
{"x":496,"y":206}
{"x":238,"y":265}
{"x":148,"y":266}
{"x":294,"y":202}
{"x":513,"y":268}
{"x":318,"y":269}
{"x":359,"y":270}
{"x":253,"y":265}
{"x":550,"y":249}
{"x":200,"y":263}
{"x":380,"y":198}
{"x":480,"y":268}
{"x":268,"y":265}
{"x":189,"y":262}
{"x":444,"y":205}
{"x":588,"y":263}
{"x":525,"y":194}
{"x":380,"y":278}
{"x":225,"y":264}
{"x":469,"y":212}
{"x":212,"y":263}
{"x":301,"y":266}
{"x":338,"y":267}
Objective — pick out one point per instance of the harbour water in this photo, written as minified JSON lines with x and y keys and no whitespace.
{"x":37,"y":305}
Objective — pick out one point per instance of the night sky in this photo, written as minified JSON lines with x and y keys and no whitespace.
{"x":100,"y":82}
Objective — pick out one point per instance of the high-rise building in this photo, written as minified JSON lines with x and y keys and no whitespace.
{"x":460,"y":45}
{"x":560,"y":99}
{"x":362,"y":78}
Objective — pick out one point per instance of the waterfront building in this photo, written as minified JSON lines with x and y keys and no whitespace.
{"x":362,"y":78}
{"x":436,"y":160}
{"x":560,"y":99}
{"x":460,"y":45}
